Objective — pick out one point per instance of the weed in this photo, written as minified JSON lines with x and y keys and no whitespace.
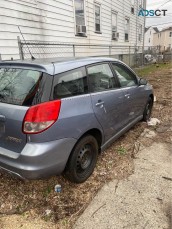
{"x":121,"y":150}
{"x":46,"y":191}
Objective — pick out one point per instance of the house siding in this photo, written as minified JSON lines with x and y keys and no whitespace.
{"x":54,"y":20}
{"x":162,"y":40}
{"x":149,"y":37}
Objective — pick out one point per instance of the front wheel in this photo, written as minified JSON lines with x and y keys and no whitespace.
{"x":148,"y":110}
{"x":82,"y":160}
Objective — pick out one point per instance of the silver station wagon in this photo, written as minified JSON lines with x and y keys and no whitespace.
{"x":57,"y":115}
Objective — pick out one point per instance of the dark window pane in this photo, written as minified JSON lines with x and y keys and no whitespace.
{"x":126,"y":36}
{"x":97,"y":18}
{"x":70,"y":83}
{"x":101,"y":78}
{"x":18,"y":86}
{"x":98,"y":27}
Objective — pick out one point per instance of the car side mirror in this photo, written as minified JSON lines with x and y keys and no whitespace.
{"x":142,"y":82}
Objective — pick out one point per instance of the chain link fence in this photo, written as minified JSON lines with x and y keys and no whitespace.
{"x":134,"y":56}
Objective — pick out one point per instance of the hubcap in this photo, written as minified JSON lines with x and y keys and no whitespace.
{"x":84,"y":158}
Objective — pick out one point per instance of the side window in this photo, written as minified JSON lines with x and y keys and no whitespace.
{"x":70,"y":83}
{"x":101,"y":78}
{"x":125,"y":76}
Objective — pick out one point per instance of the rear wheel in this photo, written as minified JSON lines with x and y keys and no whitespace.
{"x":82,"y":160}
{"x":148,"y":110}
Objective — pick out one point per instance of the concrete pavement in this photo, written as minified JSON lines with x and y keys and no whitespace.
{"x":141,"y":201}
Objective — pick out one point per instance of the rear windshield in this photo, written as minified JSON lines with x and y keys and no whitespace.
{"x":18,"y":86}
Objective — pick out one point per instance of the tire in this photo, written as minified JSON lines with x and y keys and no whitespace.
{"x":82,"y":160}
{"x":148,"y":110}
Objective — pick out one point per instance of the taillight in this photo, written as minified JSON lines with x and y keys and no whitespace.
{"x":40,"y":117}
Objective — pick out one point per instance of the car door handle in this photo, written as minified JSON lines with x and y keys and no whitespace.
{"x":100,"y":103}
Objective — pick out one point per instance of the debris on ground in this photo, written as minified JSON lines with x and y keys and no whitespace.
{"x":148,"y":133}
{"x":153,"y":122}
{"x":58,"y":188}
{"x":162,"y":129}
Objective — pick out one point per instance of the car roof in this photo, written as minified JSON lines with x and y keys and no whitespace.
{"x":54,"y":66}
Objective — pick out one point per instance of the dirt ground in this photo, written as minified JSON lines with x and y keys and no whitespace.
{"x":35,"y":204}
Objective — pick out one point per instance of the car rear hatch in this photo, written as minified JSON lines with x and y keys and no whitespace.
{"x":19,"y":89}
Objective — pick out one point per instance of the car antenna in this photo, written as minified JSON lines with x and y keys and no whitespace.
{"x":32,"y":57}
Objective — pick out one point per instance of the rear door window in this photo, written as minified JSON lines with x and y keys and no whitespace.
{"x":18,"y":86}
{"x":71,"y":83}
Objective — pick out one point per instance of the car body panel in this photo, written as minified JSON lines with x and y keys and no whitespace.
{"x":11,"y":135}
{"x":110,"y":114}
{"x":76,"y":118}
{"x":38,"y":160}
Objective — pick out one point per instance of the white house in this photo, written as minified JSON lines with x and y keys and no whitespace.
{"x":149,"y":32}
{"x":163,"y":39}
{"x":100,"y":22}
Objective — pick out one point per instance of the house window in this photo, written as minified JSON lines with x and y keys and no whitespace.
{"x":132,"y":6}
{"x":114,"y":22}
{"x":114,"y":26}
{"x":127,"y":29}
{"x":140,"y":3}
{"x":140,"y":33}
{"x":79,"y":16}
{"x":170,"y":34}
{"x":97,"y":18}
{"x":115,"y":35}
{"x":149,"y":40}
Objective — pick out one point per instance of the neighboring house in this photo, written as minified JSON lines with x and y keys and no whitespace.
{"x":100,"y":22}
{"x":149,"y":32}
{"x":163,"y":40}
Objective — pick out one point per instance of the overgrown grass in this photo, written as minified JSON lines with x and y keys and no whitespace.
{"x":145,"y":70}
{"x":121,"y":150}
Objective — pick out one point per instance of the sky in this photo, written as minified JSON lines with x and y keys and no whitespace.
{"x":161,"y":21}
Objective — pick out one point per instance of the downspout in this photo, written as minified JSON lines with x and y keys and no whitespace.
{"x":144,"y":34}
{"x":136,"y":22}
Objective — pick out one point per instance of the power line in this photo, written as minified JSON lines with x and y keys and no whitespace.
{"x":165,"y":3}
{"x":162,"y":4}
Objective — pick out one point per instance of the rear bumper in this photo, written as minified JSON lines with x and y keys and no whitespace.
{"x":37,"y":160}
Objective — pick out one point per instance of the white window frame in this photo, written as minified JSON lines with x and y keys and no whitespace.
{"x":126,"y":18}
{"x":140,"y":3}
{"x":132,"y":6}
{"x":140,"y":33}
{"x":116,"y":14}
{"x":85,"y":24}
{"x":99,"y":5}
